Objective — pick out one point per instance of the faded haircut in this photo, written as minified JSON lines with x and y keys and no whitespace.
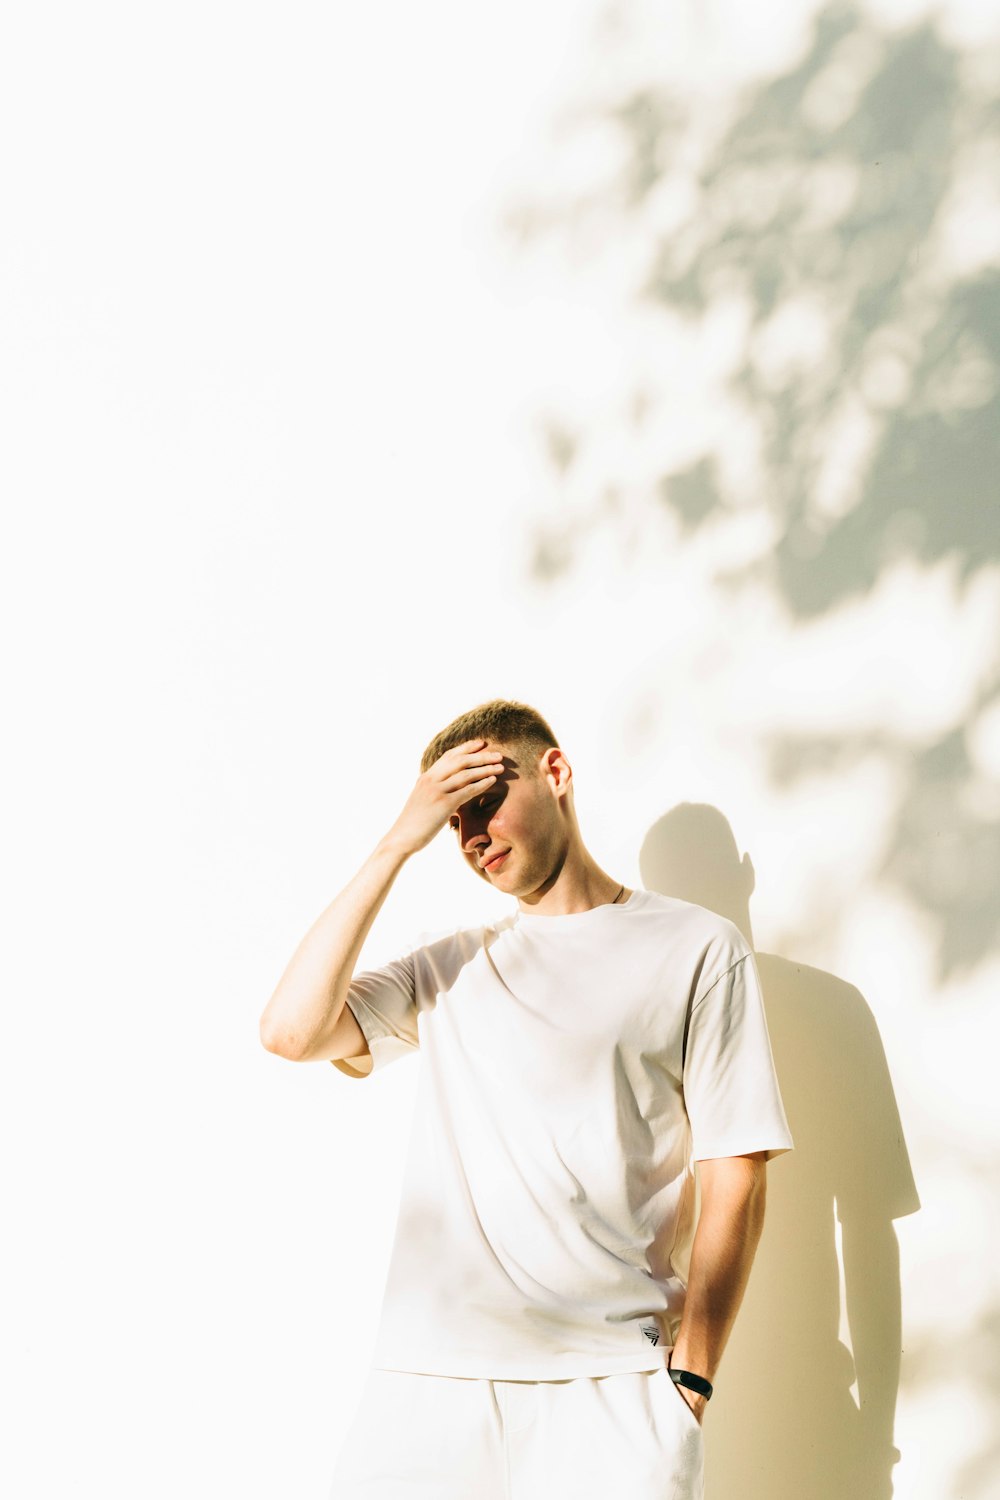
{"x":517,"y":726}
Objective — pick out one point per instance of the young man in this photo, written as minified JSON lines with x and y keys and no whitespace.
{"x":553,"y":1317}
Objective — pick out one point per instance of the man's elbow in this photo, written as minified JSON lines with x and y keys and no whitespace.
{"x":278,"y":1042}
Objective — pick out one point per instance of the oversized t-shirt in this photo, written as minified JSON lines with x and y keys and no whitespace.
{"x":573,"y":1068}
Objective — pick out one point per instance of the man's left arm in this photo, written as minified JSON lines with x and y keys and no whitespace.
{"x":733,"y":1193}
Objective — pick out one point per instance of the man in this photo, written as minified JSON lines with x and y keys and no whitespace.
{"x":552,"y":1323}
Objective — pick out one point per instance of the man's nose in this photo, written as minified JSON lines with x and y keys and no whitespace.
{"x":473,"y":837}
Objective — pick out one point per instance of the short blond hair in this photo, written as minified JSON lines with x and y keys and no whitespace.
{"x":516,"y":725}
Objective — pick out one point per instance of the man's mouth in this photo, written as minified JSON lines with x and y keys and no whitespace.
{"x":496,"y":861}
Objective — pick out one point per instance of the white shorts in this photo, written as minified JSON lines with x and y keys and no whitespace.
{"x":600,"y":1437}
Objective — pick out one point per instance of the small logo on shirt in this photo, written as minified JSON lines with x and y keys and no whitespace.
{"x":652,"y":1333}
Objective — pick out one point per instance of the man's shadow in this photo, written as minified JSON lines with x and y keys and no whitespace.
{"x":783,"y":1423}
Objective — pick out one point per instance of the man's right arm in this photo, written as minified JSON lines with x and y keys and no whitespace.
{"x":307,"y":1019}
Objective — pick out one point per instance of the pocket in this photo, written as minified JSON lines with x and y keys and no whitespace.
{"x":677,"y":1395}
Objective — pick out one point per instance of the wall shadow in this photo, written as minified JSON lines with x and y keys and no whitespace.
{"x":874,"y":439}
{"x":783,"y":1422}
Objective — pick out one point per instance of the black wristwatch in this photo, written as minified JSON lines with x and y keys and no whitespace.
{"x":693,"y":1382}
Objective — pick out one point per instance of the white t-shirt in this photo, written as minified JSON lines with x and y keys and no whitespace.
{"x":573,"y":1069}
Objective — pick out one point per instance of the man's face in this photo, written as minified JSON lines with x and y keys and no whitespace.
{"x":516,"y":818}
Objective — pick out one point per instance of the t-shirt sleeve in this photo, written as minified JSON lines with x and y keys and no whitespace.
{"x":731,"y":1090}
{"x":385,"y":1007}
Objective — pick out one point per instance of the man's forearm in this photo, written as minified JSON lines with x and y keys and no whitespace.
{"x":313,"y":989}
{"x":725,"y":1243}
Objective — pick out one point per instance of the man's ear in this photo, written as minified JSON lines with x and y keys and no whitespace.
{"x":555,"y":764}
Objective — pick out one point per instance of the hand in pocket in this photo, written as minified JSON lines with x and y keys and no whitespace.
{"x":694,"y":1403}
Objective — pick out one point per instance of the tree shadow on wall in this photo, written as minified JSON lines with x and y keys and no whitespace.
{"x":788,"y":1425}
{"x":818,"y":201}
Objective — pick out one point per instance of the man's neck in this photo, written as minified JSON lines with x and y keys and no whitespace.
{"x":592,"y":887}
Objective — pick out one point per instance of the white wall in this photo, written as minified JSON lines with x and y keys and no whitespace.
{"x":277,"y":373}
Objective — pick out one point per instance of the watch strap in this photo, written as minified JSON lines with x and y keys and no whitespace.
{"x":692,"y":1381}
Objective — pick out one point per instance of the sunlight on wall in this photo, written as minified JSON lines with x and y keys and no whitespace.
{"x":317,"y":441}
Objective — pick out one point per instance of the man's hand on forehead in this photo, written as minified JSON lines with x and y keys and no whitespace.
{"x":460,"y":776}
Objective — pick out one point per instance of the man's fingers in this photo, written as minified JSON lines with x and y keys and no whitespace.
{"x":461,"y":751}
{"x":461,"y":778}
